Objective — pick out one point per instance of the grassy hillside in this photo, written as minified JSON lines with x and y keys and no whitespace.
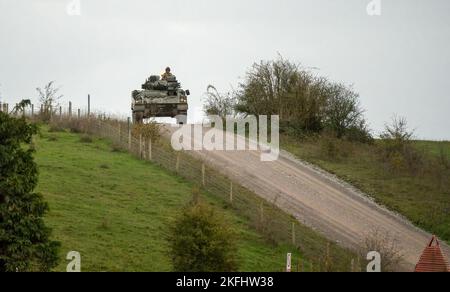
{"x":423,"y":197}
{"x":115,"y":209}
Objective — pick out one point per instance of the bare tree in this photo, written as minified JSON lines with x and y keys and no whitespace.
{"x":49,"y":98}
{"x":387,"y":246}
{"x":397,"y":138}
{"x":397,"y":148}
{"x":397,"y":130}
{"x":220,"y":104}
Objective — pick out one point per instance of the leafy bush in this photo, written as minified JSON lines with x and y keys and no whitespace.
{"x":359,"y":133}
{"x":304,"y":102}
{"x":201,"y":242}
{"x":25,"y":243}
{"x":343,"y":111}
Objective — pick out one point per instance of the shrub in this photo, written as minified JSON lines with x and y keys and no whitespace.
{"x":387,"y":246}
{"x":83,"y":125}
{"x":148,"y":131}
{"x":25,"y":243}
{"x":397,"y":149}
{"x":55,"y":128}
{"x":115,"y":147}
{"x":219,"y":104}
{"x":201,"y":242}
{"x":334,"y":148}
{"x":49,"y":98}
{"x":52,"y":138}
{"x":305,"y":102}
{"x":75,"y":126}
{"x":359,"y":133}
{"x":86,"y":139}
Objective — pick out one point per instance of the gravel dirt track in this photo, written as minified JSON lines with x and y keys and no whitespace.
{"x":319,"y":200}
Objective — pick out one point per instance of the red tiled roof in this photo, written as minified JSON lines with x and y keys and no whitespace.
{"x":432,"y":259}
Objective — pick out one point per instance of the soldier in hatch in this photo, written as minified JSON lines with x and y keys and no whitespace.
{"x":167,"y":74}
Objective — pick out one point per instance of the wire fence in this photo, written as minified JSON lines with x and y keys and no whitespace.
{"x":267,"y":215}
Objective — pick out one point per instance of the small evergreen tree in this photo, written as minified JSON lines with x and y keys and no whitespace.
{"x":201,"y":242}
{"x":24,"y":238}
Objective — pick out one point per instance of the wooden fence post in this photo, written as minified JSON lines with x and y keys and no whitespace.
{"x":203,"y":174}
{"x":129,"y":135}
{"x":89,"y":106}
{"x":60,"y":112}
{"x":120,"y":133}
{"x":32,"y":110}
{"x":140,"y":145}
{"x":289,"y":262}
{"x":261,"y":212}
{"x":231,"y":192}
{"x":327,"y":258}
{"x":293,"y":233}
{"x":79,"y":113}
{"x":150,"y":149}
{"x":70,"y":109}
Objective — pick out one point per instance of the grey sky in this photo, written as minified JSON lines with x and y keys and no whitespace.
{"x":399,"y":62}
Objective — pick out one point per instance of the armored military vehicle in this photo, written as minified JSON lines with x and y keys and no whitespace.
{"x":160,"y":98}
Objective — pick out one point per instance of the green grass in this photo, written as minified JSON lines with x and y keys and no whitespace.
{"x":115,"y":209}
{"x":424,"y":199}
{"x":434,"y":147}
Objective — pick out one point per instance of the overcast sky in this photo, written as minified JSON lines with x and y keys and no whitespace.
{"x":399,"y":61}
